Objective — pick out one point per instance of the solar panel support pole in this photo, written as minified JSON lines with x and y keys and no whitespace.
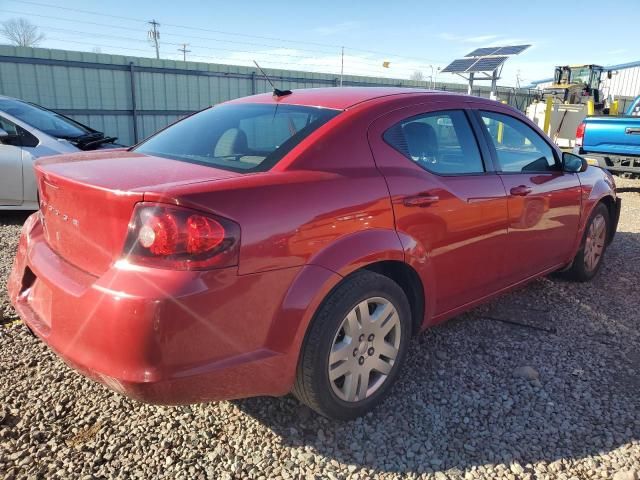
{"x":470,"y":90}
{"x":494,"y":85}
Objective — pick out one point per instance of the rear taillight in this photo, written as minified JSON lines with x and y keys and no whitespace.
{"x":580,"y":134}
{"x":166,"y":236}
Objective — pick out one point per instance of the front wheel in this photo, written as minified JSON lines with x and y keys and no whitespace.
{"x":355,"y":347}
{"x":588,"y":260}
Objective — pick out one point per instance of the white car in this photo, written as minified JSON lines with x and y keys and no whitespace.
{"x":27,"y":132}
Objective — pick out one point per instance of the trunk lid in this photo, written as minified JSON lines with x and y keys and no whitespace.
{"x":87,"y":199}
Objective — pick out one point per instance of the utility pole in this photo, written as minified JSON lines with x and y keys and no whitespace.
{"x":184,"y":51}
{"x":154,"y":35}
{"x":341,"y":66}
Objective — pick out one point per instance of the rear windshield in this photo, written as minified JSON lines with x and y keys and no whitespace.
{"x":237,"y":137}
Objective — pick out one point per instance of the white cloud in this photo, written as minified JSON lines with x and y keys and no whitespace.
{"x":341,"y":27}
{"x":450,"y":37}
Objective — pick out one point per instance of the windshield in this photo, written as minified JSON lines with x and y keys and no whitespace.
{"x":45,"y":120}
{"x":238,"y":137}
{"x":581,"y":75}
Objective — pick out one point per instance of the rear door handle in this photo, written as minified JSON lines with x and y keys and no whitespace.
{"x":632,"y":131}
{"x":420,"y":200}
{"x":521,"y":190}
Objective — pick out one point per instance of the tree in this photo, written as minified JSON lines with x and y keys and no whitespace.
{"x":21,"y":32}
{"x":418,"y":76}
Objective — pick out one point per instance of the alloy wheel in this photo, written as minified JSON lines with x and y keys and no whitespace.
{"x":364,"y":349}
{"x":594,"y":242}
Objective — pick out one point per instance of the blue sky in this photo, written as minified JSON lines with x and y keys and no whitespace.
{"x":411,"y":35}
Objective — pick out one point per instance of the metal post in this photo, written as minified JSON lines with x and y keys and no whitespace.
{"x":470,"y":90}
{"x":341,"y":66}
{"x":134,"y":112}
{"x":154,"y":35}
{"x":614,"y":108}
{"x":547,"y":115}
{"x":253,"y":83}
{"x":494,"y":85}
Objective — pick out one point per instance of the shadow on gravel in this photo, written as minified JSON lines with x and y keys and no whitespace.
{"x":13,"y":218}
{"x":460,"y":403}
{"x":629,"y":190}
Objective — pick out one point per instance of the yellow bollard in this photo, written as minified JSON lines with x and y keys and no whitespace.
{"x":590,"y":108}
{"x":614,"y":108}
{"x":547,"y":115}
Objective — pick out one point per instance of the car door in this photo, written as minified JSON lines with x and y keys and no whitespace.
{"x":11,"y":185}
{"x":544,"y":201}
{"x":450,"y":208}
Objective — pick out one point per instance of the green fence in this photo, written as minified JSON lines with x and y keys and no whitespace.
{"x":132,"y":97}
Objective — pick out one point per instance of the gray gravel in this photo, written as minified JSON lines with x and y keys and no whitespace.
{"x":480,"y":398}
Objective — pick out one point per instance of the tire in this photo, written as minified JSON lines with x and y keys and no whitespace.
{"x":582,"y":269}
{"x":334,"y":325}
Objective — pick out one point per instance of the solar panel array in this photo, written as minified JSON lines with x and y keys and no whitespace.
{"x":481,"y":52}
{"x":487,"y":64}
{"x":486,"y":59}
{"x":460,"y":65}
{"x":509,"y":50}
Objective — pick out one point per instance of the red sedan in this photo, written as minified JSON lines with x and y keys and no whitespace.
{"x":296,"y":242}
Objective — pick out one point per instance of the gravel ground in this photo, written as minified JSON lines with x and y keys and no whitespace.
{"x":479,"y":398}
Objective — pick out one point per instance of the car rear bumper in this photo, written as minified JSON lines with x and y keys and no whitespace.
{"x":613,"y":163}
{"x":168,"y":337}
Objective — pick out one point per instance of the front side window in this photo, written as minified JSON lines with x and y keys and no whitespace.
{"x":238,"y":137}
{"x":440,"y":142}
{"x":518,"y":147}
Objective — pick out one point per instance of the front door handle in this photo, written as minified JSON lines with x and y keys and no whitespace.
{"x":521,"y":190}
{"x":632,"y":131}
{"x":420,"y":200}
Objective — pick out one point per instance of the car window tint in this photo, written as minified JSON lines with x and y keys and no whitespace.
{"x":238,"y":137}
{"x":8,"y":126}
{"x":439,"y":142}
{"x":518,"y":147}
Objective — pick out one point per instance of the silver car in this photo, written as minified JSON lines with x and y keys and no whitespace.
{"x":27,"y":132}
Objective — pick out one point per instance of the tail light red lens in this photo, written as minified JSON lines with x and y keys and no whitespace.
{"x":166,"y":236}
{"x":580,"y":134}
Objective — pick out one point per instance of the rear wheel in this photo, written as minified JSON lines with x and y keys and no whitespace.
{"x":588,"y":260}
{"x":355,"y":347}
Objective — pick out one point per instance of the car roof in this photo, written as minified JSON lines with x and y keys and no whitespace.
{"x":336,"y":97}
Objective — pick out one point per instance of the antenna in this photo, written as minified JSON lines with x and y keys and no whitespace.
{"x":277,"y":92}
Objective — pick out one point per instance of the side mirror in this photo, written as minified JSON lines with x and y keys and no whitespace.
{"x":573,"y":163}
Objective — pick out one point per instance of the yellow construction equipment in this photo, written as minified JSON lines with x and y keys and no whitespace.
{"x":561,"y":107}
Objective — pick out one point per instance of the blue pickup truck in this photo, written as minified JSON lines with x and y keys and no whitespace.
{"x":612,"y":142}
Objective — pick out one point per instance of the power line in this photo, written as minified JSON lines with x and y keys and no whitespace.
{"x":191,"y":28}
{"x":211,"y":59}
{"x":279,"y":55}
{"x":222,"y":40}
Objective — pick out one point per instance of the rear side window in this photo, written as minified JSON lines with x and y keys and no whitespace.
{"x":440,"y":142}
{"x":24,"y":139}
{"x":518,"y":147}
{"x":238,"y":137}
